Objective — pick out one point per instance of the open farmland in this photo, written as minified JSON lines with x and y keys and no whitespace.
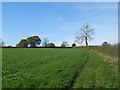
{"x":56,"y":68}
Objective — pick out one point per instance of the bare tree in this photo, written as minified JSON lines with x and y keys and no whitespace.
{"x":85,"y":34}
{"x":65,"y":43}
{"x":45,"y":41}
{"x":2,"y":44}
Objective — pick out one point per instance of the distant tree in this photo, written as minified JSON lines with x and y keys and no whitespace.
{"x":9,"y":46}
{"x":65,"y":43}
{"x":45,"y":41}
{"x":2,"y":44}
{"x":50,"y":45}
{"x":33,"y":41}
{"x":85,"y":34}
{"x":22,"y":43}
{"x":73,"y":45}
{"x":105,"y":44}
{"x":30,"y":41}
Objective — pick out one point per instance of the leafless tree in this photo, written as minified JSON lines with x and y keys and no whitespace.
{"x":65,"y":43}
{"x":45,"y":41}
{"x":2,"y":44}
{"x":85,"y":34}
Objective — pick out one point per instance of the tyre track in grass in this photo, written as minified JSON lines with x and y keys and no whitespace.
{"x":70,"y":84}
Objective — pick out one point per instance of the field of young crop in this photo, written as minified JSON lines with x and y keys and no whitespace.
{"x":0,"y":68}
{"x":56,"y":68}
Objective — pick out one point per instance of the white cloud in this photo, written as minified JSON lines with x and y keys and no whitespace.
{"x":57,"y":43}
{"x":96,"y":7}
{"x":59,"y":19}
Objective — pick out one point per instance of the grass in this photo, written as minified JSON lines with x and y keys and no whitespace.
{"x":55,"y":68}
{"x":0,"y":68}
{"x":111,"y":50}
{"x":97,"y":74}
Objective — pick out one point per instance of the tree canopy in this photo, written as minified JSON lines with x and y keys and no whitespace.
{"x":50,"y":45}
{"x":105,"y":44}
{"x":22,"y":43}
{"x":32,"y":41}
{"x":73,"y":45}
{"x":63,"y":45}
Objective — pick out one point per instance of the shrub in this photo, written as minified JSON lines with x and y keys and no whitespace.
{"x":50,"y":45}
{"x":105,"y":44}
{"x":73,"y":45}
{"x":63,"y":45}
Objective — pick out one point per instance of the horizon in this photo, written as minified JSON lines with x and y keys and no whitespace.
{"x":59,"y":21}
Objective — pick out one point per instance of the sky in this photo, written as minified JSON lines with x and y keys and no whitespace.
{"x":59,"y":21}
{"x":60,"y":0}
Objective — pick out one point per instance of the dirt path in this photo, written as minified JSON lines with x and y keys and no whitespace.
{"x":77,"y":74}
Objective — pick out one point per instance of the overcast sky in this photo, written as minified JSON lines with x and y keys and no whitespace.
{"x":59,"y":21}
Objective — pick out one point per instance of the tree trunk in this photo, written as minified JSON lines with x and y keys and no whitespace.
{"x":86,"y":41}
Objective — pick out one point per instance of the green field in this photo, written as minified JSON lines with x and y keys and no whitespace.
{"x":56,"y":68}
{"x":0,"y":68}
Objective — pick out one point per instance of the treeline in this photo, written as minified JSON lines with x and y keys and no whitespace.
{"x":35,"y":41}
{"x":85,"y":34}
{"x":35,"y":47}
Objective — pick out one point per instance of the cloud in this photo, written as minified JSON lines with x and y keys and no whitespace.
{"x":58,"y":43}
{"x":59,"y":19}
{"x":96,"y":6}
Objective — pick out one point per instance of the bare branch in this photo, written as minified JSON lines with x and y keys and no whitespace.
{"x":85,"y":34}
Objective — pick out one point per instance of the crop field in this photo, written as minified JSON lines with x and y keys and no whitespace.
{"x":0,"y":68}
{"x":56,"y":68}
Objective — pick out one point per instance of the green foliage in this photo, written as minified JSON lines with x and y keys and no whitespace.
{"x":33,"y":41}
{"x":63,"y":45}
{"x":0,"y":68}
{"x":30,"y":41}
{"x":73,"y":45}
{"x":105,"y":44}
{"x":50,"y":45}
{"x":55,"y":68}
{"x":97,"y":74}
{"x":22,"y":43}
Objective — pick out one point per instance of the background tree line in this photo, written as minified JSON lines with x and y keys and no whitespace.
{"x":84,"y":35}
{"x":35,"y":41}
